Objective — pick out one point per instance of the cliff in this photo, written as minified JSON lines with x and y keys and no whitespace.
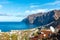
{"x":47,"y":18}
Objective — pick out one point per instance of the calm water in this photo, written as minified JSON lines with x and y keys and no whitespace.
{"x":7,"y":26}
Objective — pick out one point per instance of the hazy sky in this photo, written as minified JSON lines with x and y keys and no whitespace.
{"x":16,"y":10}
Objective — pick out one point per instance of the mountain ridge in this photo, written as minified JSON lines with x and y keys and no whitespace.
{"x":41,"y":19}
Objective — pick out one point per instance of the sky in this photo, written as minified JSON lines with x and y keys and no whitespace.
{"x":17,"y":10}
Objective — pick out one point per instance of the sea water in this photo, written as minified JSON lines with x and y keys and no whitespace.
{"x":8,"y":26}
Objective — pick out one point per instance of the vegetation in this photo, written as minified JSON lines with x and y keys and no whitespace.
{"x":14,"y":37}
{"x":4,"y":36}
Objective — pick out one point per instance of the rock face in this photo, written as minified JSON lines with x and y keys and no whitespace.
{"x":57,"y":14}
{"x":41,"y":19}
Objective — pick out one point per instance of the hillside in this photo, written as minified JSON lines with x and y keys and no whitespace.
{"x":41,"y":19}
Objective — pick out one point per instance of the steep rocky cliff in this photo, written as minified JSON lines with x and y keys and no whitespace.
{"x":41,"y":19}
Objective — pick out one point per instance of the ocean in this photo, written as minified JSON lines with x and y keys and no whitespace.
{"x":8,"y":26}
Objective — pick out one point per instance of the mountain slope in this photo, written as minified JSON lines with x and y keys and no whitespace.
{"x":41,"y":19}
